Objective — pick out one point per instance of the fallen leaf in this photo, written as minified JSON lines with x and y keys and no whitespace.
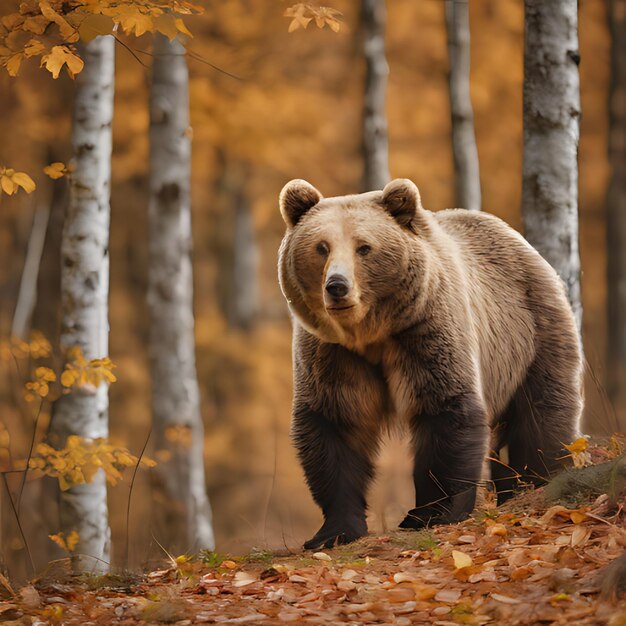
{"x":449,"y":596}
{"x":242,"y":579}
{"x":466,"y":539}
{"x":403,"y":577}
{"x":497,"y":530}
{"x":322,"y":556}
{"x":505,"y":599}
{"x":580,"y":536}
{"x":461,"y":559}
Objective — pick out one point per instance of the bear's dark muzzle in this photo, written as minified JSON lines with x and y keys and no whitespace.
{"x":337,"y":286}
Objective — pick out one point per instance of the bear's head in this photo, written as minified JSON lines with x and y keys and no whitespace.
{"x":344,"y":262}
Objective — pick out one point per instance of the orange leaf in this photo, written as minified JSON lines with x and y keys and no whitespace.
{"x":55,"y":170}
{"x":14,"y":63}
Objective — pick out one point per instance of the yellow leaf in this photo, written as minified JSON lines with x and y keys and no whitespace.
{"x":74,"y":64}
{"x":36,"y":24}
{"x":333,"y":24}
{"x":577,"y":517}
{"x":94,"y":25}
{"x":12,"y":21}
{"x":14,"y":63}
{"x":180,"y":25}
{"x":137,"y":22}
{"x":8,"y":186}
{"x":461,"y":559}
{"x":72,"y":541}
{"x":68,"y":32}
{"x":24,"y":181}
{"x":55,"y":170}
{"x":33,"y":48}
{"x":166,"y":25}
{"x":59,"y":539}
{"x":68,"y":378}
{"x":55,"y":60}
{"x":498,"y":530}
{"x":580,"y":445}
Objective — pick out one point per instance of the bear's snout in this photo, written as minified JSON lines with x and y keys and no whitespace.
{"x":337,"y":286}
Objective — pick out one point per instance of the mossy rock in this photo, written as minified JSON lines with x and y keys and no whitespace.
{"x":579,"y":486}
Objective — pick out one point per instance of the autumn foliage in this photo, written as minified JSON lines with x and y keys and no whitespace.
{"x":51,"y":29}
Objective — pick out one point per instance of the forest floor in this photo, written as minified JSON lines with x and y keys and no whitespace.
{"x":526,"y":563}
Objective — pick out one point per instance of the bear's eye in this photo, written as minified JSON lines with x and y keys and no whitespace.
{"x":322,"y":248}
{"x":363,"y":250}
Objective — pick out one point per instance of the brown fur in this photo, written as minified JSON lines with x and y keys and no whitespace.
{"x":457,"y":328}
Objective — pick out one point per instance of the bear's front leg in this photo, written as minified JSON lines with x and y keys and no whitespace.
{"x":450,"y":446}
{"x":337,"y":472}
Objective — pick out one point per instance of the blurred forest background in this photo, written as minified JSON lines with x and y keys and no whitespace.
{"x":281,"y":106}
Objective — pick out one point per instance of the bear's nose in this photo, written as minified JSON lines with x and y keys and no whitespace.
{"x":337,"y":286}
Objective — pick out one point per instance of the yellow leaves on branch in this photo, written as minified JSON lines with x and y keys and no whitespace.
{"x":40,"y":386}
{"x":50,"y":29}
{"x":68,"y":543}
{"x":38,"y":347}
{"x":79,"y":461}
{"x":302,"y":13}
{"x":80,"y":372}
{"x":11,"y":181}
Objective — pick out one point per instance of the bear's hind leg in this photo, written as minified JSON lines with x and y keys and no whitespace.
{"x":338,"y":471}
{"x":544,"y":415}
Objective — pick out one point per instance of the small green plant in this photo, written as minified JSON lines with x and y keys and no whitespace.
{"x":212,"y":559}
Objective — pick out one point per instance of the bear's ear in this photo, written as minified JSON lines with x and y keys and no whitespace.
{"x":296,"y":198}
{"x":401,"y":198}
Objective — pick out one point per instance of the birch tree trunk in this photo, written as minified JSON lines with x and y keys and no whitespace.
{"x":375,"y":141}
{"x":177,"y":423}
{"x":465,"y":153}
{"x":236,"y":245}
{"x":245,"y":296}
{"x":84,"y":294}
{"x":616,"y":211}
{"x":551,"y":132}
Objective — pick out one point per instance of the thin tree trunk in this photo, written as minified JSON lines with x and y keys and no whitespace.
{"x":616,"y":210}
{"x":236,"y":246}
{"x":465,"y":153}
{"x":551,"y":131}
{"x":84,"y":294}
{"x":245,"y":296}
{"x":177,"y":422}
{"x":375,"y":142}
{"x":27,"y":296}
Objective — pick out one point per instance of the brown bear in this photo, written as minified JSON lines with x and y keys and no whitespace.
{"x":448,"y":323}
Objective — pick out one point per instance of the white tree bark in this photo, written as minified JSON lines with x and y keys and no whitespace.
{"x":27,"y":295}
{"x":551,"y":132}
{"x":177,"y":422}
{"x":375,"y":141}
{"x":84,"y":294}
{"x":245,"y":266}
{"x":236,"y":246}
{"x":465,"y":153}
{"x":616,"y":211}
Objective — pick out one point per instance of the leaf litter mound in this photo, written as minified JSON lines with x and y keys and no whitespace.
{"x":537,"y":560}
